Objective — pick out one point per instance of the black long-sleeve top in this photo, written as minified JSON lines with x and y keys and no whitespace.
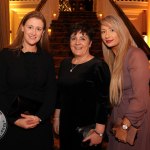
{"x":84,"y":92}
{"x":30,"y":75}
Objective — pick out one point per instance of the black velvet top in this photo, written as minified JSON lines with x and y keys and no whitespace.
{"x":30,"y":75}
{"x":84,"y":92}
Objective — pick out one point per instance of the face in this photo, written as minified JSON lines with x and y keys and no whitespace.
{"x":109,"y":36}
{"x":80,"y":44}
{"x":33,"y":31}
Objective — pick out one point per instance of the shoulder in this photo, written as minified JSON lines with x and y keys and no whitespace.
{"x":135,"y":53}
{"x":101,"y":66}
{"x":46,"y":56}
{"x":100,"y":62}
{"x":5,"y":53}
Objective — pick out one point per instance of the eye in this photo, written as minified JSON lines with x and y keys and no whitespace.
{"x":112,"y":30}
{"x":72,"y":38}
{"x":82,"y":38}
{"x":29,"y":27}
{"x":39,"y":29}
{"x":102,"y":31}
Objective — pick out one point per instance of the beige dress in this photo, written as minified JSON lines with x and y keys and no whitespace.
{"x":135,"y":103}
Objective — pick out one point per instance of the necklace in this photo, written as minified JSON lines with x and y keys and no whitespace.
{"x":84,"y":59}
{"x":73,"y":67}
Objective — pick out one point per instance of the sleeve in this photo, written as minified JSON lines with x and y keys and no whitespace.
{"x":3,"y":82}
{"x":138,"y":67}
{"x":102,"y":76}
{"x":48,"y":106}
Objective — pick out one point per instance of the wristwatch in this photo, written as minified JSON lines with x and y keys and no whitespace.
{"x":125,"y":127}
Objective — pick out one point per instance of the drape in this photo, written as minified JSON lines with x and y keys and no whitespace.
{"x":4,"y":23}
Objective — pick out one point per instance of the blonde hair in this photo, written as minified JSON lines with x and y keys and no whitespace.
{"x":43,"y":43}
{"x":115,"y":62}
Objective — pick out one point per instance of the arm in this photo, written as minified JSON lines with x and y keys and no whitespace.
{"x":56,"y":121}
{"x":138,"y":69}
{"x":102,"y":76}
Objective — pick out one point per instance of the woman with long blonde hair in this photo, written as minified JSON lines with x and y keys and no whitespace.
{"x":129,"y":86}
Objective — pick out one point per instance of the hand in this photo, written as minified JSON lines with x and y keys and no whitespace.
{"x":120,"y":134}
{"x":27,"y":121}
{"x":56,"y":125}
{"x":93,"y":137}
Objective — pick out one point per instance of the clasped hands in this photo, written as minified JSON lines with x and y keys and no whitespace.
{"x":27,"y":121}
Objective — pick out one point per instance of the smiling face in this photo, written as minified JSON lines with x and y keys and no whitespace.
{"x":80,"y":44}
{"x":33,"y":30}
{"x":109,"y":36}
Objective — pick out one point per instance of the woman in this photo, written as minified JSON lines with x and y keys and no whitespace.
{"x":28,"y":87}
{"x":83,"y":84}
{"x":129,"y":86}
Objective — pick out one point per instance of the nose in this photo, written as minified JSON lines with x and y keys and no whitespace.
{"x":34,"y":31}
{"x":77,"y":41}
{"x":107,"y":34}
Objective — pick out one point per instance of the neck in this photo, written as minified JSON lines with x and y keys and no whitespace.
{"x":29,"y":48}
{"x":82,"y":59}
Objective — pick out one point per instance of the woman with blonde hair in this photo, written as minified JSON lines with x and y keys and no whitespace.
{"x":129,"y":87}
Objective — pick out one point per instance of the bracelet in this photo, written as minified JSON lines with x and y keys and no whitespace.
{"x":100,"y":134}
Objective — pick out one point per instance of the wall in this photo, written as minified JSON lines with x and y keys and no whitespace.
{"x":51,"y":7}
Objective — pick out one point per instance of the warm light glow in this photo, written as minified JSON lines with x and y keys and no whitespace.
{"x":54,"y":15}
{"x":145,"y":38}
{"x":49,"y":31}
{"x":100,"y":16}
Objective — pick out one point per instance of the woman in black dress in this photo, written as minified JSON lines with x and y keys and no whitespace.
{"x":83,"y":95}
{"x":28,"y":87}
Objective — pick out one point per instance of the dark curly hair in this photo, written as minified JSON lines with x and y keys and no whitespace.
{"x":83,"y":27}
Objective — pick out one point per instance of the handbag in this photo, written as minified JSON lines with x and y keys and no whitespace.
{"x":23,"y":105}
{"x":131,"y":132}
{"x":85,"y":130}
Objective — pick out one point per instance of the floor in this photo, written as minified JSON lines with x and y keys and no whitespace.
{"x":56,"y":144}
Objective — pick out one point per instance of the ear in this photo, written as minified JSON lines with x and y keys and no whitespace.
{"x":90,"y":43}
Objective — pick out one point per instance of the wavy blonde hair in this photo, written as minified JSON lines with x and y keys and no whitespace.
{"x":115,"y":62}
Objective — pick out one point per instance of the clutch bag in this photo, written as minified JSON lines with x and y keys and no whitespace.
{"x":84,"y":131}
{"x":131,"y":132}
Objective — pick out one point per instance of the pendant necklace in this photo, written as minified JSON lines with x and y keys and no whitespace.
{"x":81,"y":61}
{"x":73,"y":67}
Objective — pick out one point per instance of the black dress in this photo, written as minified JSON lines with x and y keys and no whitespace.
{"x":29,"y":75}
{"x":83,"y":98}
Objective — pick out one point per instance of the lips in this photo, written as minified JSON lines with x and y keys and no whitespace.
{"x":32,"y":37}
{"x":78,"y":48}
{"x":108,"y":41}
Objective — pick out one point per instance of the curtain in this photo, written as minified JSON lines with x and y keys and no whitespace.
{"x":4,"y":23}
